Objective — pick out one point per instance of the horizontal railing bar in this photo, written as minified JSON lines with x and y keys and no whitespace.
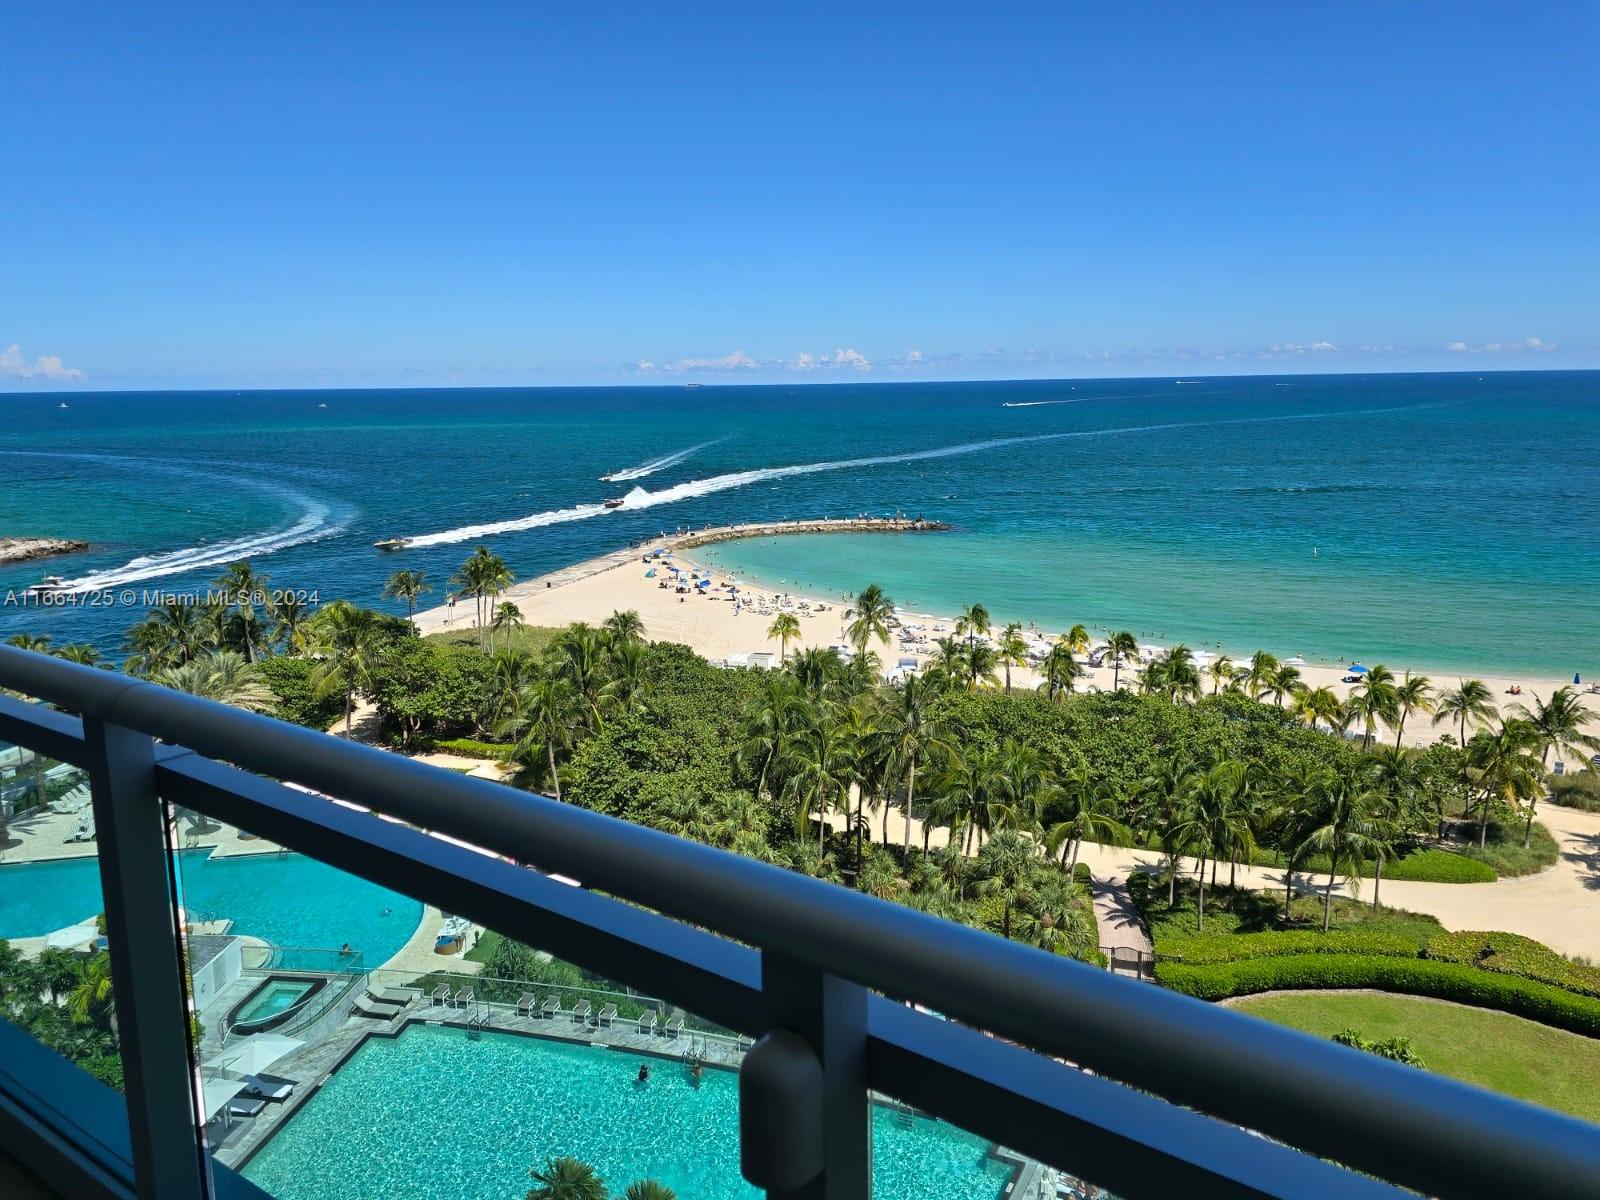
{"x":1399,"y":1123}
{"x":1105,"y":1132}
{"x":708,"y":975}
{"x":43,"y":730}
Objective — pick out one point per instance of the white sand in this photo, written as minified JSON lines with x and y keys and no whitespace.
{"x":593,"y":590}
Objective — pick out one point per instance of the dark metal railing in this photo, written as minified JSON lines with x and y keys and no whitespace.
{"x":818,"y":972}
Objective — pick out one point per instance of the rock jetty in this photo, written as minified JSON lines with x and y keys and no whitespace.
{"x":14,"y":549}
{"x":687,"y":539}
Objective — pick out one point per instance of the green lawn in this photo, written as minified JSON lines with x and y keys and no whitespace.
{"x":1520,"y":1058}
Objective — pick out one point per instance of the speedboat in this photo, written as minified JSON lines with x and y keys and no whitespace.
{"x":50,"y":583}
{"x":398,"y":543}
{"x":614,"y":502}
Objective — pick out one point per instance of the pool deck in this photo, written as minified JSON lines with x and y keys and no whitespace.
{"x":313,"y":1065}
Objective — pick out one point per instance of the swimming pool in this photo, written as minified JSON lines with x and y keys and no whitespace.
{"x":288,"y":899}
{"x":435,"y":1115}
{"x":272,"y":1003}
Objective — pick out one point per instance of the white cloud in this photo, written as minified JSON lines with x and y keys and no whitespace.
{"x":839,"y":360}
{"x":1294,"y":349}
{"x":46,"y":366}
{"x":1531,"y":345}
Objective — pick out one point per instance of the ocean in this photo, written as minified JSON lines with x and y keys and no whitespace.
{"x":1442,"y":522}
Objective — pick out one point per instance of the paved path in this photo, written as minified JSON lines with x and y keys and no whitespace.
{"x":1120,"y":926}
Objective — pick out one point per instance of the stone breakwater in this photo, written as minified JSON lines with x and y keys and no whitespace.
{"x":727,"y":533}
{"x":14,"y":549}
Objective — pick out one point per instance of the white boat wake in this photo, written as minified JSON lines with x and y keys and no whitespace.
{"x":315,"y":520}
{"x":639,"y":499}
{"x":658,"y":464}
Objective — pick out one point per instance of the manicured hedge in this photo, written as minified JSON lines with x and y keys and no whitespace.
{"x":1513,"y":954}
{"x":1236,"y":947}
{"x":470,"y":747}
{"x":1412,"y":976}
{"x":1438,"y":866}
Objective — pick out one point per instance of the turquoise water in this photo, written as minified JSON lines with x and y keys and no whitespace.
{"x":1438,"y":521}
{"x":435,"y":1116}
{"x":289,"y":900}
{"x":274,"y":997}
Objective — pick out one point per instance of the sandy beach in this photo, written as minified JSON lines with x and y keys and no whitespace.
{"x":717,"y":627}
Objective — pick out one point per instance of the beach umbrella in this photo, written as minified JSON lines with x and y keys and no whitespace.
{"x":1575,"y":678}
{"x":218,"y":1092}
{"x":1356,"y":669}
{"x":254,"y":1054}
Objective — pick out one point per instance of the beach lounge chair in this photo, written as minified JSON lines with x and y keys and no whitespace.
{"x":647,"y":1022}
{"x":674,"y":1025}
{"x":267,"y":1087}
{"x":239,"y":1107}
{"x":551,"y":1006}
{"x":580,"y":1012}
{"x":440,"y":995}
{"x":389,"y":995}
{"x":376,"y":1010}
{"x":463,"y":997}
{"x":525,"y":1004}
{"x":608,"y":1014}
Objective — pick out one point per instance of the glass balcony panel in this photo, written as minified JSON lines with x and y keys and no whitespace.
{"x":355,"y":1041}
{"x":915,"y":1156}
{"x":55,"y":978}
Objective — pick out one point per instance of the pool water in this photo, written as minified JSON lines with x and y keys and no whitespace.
{"x":434,"y":1115}
{"x":273,"y":997}
{"x":289,"y":900}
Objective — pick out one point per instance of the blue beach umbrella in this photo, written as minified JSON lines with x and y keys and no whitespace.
{"x":1356,"y":669}
{"x":1575,"y":679}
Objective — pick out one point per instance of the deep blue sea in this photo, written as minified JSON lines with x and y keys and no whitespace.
{"x":1448,"y":522}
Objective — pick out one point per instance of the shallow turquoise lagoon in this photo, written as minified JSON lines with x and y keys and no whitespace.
{"x":437,"y":1116}
{"x":288,"y":900}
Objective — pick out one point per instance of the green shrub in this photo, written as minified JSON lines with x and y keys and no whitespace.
{"x":470,"y":747}
{"x":1236,"y":947}
{"x":1395,"y":1049}
{"x":1412,"y":976}
{"x":1505,"y":854}
{"x":1513,"y":954}
{"x":1082,"y":874}
{"x":1439,"y":866}
{"x":290,"y":681}
{"x":1580,"y":790}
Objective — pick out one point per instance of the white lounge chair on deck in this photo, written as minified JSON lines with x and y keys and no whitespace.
{"x":463,"y":997}
{"x":525,"y":1004}
{"x":389,"y":995}
{"x":580,"y":1012}
{"x":608,"y":1014}
{"x":380,"y":1012}
{"x":647,"y":1022}
{"x":674,"y":1025}
{"x":440,"y":995}
{"x":551,"y":1006}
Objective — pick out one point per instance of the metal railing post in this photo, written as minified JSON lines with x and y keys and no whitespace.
{"x":150,"y":992}
{"x":831,"y":1014}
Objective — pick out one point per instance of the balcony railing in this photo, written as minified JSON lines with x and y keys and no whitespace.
{"x":1174,"y":1097}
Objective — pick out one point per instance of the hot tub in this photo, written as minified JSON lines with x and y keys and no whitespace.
{"x":277,"y":999}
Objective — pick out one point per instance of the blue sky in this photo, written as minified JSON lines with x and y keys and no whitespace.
{"x":387,"y":194}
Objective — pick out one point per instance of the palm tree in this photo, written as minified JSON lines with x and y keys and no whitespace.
{"x":630,"y":685}
{"x":1469,"y":702}
{"x":347,"y":638}
{"x":290,"y":616}
{"x":965,"y":786}
{"x":649,"y":1189}
{"x":1060,"y":669}
{"x":1344,"y":805}
{"x":579,"y":657}
{"x":92,"y":995}
{"x":1180,"y":678}
{"x":909,"y":735}
{"x":770,"y":723}
{"x":566,"y":1179}
{"x":246,"y":587}
{"x":1374,"y":699}
{"x":38,"y":643}
{"x":1213,"y":820}
{"x":1012,"y":649}
{"x":981,"y":661}
{"x":225,"y":676}
{"x":507,"y":620}
{"x":1077,"y":640}
{"x":623,"y":628}
{"x":1559,"y":724}
{"x":1398,"y":781}
{"x":1089,"y":809}
{"x":1005,"y":867}
{"x":1122,"y":646}
{"x":407,"y":586}
{"x":973,"y":623}
{"x":1505,"y":766}
{"x":872,"y":612}
{"x":483,"y":577}
{"x":1285,"y":682}
{"x":1261,"y":673}
{"x":823,"y":766}
{"x":81,"y":653}
{"x":784,"y":626}
{"x":1413,"y":694}
{"x":1312,"y":705}
{"x":1220,"y":670}
{"x":544,"y":718}
{"x":1024,"y":783}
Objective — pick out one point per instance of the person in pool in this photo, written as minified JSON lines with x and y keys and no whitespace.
{"x":644,"y":1072}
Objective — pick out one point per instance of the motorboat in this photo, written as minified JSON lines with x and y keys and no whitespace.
{"x":396,"y":543}
{"x":614,"y":502}
{"x":50,"y":583}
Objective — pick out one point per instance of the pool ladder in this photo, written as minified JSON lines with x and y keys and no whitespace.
{"x":481,"y":1019}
